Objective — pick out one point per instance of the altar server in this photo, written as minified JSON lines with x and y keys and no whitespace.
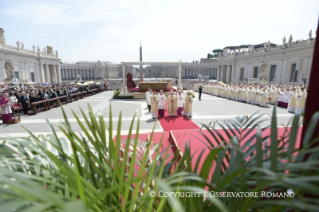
{"x":188,"y":105}
{"x":154,"y":104}
{"x":281,"y":98}
{"x":148,"y":95}
{"x":171,"y":104}
{"x":161,"y":103}
{"x":180,"y":102}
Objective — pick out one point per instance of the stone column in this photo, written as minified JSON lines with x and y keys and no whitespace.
{"x":55,"y":74}
{"x":123,"y":70}
{"x":227,"y":70}
{"x":58,"y":73}
{"x":41,"y":73}
{"x":179,"y":76}
{"x":62,"y":74}
{"x":219,"y":73}
{"x":46,"y":73}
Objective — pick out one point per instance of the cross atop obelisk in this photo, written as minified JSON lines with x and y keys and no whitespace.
{"x":141,"y":67}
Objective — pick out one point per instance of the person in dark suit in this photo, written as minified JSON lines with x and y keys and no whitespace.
{"x":200,"y":89}
{"x":24,"y":101}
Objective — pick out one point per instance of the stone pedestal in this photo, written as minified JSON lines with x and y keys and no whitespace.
{"x":153,"y":85}
{"x":15,"y":81}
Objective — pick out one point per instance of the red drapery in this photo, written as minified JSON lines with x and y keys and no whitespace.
{"x":312,"y":104}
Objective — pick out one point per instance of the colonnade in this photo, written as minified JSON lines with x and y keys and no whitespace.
{"x":226,"y":73}
{"x":72,"y":73}
{"x":194,"y":72}
{"x":51,"y":73}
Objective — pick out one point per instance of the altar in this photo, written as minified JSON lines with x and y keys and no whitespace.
{"x":144,"y":86}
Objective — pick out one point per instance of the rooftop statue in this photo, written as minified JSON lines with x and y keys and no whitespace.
{"x":284,"y":40}
{"x":310,"y":35}
{"x":290,"y":39}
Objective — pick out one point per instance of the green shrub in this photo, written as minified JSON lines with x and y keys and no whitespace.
{"x":192,"y":93}
{"x":123,"y":97}
{"x":117,"y":93}
{"x":93,"y":171}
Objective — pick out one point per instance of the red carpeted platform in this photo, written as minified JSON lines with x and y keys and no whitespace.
{"x":176,"y":123}
{"x":138,"y":90}
{"x":197,"y":141}
{"x":164,"y":136}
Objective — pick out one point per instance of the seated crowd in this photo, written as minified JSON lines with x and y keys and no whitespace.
{"x":24,"y":95}
{"x":292,"y":97}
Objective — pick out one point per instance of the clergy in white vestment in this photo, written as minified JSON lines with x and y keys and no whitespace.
{"x":148,"y":95}
{"x":180,"y":102}
{"x":292,"y":101}
{"x":280,"y":98}
{"x":154,"y":104}
{"x":302,"y":96}
{"x":285,"y":100}
{"x":188,"y":105}
{"x":273,"y":95}
{"x":171,"y":104}
{"x":263,"y":97}
{"x":161,"y":103}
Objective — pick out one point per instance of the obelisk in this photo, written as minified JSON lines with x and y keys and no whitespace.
{"x":141,"y":67}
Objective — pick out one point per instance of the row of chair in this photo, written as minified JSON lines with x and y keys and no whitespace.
{"x":55,"y":102}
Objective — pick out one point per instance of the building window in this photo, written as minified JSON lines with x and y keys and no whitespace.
{"x":32,"y":77}
{"x":255,"y":72}
{"x":294,"y":73}
{"x":16,"y":74}
{"x":272,"y":73}
{"x":241,"y":78}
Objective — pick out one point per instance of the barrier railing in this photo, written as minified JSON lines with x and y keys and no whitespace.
{"x":47,"y":104}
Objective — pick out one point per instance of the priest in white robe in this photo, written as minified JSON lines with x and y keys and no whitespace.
{"x":154,"y":105}
{"x":188,"y":109}
{"x":171,"y":104}
{"x":148,"y":95}
{"x":161,"y":103}
{"x":180,"y":102}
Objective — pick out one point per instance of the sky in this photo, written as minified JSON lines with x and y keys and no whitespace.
{"x":170,"y":30}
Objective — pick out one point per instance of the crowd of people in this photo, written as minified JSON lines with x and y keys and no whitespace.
{"x":291,"y":97}
{"x":177,"y":103}
{"x":23,"y":95}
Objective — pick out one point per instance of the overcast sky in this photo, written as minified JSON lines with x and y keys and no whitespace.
{"x":170,"y":30}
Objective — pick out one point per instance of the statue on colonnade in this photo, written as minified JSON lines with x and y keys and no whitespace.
{"x":290,"y":39}
{"x":9,"y":70}
{"x":284,"y":40}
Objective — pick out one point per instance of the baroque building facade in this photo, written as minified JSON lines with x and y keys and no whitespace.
{"x":289,"y":62}
{"x":286,"y":63}
{"x":31,"y":65}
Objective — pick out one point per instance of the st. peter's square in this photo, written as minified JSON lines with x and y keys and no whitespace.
{"x":159,"y":105}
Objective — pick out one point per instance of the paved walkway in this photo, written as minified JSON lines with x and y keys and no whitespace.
{"x":209,"y":109}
